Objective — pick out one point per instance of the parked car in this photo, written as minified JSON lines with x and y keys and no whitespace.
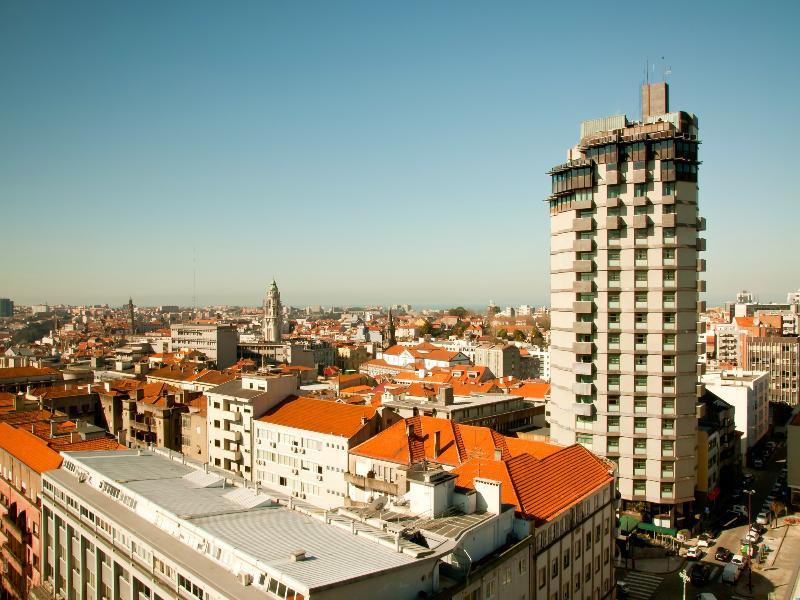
{"x":700,"y":574}
{"x":740,"y":560}
{"x":694,"y":552}
{"x":752,"y":537}
{"x":705,"y":596}
{"x":704,"y":540}
{"x":758,"y":463}
{"x":723,"y":554}
{"x":762,"y":518}
{"x":623,"y":589}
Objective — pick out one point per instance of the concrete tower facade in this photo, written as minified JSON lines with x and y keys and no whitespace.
{"x":273,"y":314}
{"x":625,"y":299}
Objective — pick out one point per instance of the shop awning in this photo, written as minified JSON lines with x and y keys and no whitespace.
{"x":658,"y":529}
{"x":627,"y":523}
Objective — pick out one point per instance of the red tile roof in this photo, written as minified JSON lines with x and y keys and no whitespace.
{"x":531,"y":389}
{"x":322,"y":416}
{"x":29,"y":449}
{"x":541,"y":488}
{"x":22,"y":372}
{"x":457,"y":443}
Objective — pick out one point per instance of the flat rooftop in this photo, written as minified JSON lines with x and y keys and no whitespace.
{"x":256,"y":527}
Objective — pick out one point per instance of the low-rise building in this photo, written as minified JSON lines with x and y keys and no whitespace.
{"x":17,"y":379}
{"x":793,"y":457}
{"x":232,"y":407}
{"x":218,"y":342}
{"x":748,"y":393}
{"x":302,"y":446}
{"x":780,"y":356}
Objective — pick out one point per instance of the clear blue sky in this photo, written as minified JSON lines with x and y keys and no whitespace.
{"x":365,"y":152}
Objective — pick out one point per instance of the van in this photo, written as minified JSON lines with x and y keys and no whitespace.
{"x":731,"y":572}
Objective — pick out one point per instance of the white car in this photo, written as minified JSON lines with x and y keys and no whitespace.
{"x":704,"y":540}
{"x":762,"y":518}
{"x":739,"y":560}
{"x":694,"y":552}
{"x":752,"y":537}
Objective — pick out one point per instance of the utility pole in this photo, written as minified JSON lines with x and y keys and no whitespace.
{"x":749,"y":553}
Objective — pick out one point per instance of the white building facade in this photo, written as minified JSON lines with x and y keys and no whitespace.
{"x":232,"y":408}
{"x":748,"y":393}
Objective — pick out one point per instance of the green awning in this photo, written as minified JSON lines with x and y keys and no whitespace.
{"x":658,"y":529}
{"x":627,"y":523}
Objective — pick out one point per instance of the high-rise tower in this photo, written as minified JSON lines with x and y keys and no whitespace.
{"x":131,"y":317}
{"x":273,"y":314}
{"x":625,"y":299}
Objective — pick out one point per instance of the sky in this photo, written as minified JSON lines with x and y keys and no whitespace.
{"x":365,"y":152}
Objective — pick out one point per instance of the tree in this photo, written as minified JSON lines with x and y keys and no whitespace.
{"x":502,"y":334}
{"x":519,"y":335}
{"x":777,"y":507}
{"x":459,"y":312}
{"x":426,"y":328}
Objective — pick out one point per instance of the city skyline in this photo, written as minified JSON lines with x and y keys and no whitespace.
{"x":413,"y":138}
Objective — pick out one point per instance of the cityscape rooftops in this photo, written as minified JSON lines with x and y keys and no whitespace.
{"x":254,"y":534}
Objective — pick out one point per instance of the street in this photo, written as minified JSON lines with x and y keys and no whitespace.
{"x":773,"y":577}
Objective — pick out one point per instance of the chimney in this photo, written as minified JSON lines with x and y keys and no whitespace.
{"x":53,"y":428}
{"x":19,"y":402}
{"x":138,"y":394}
{"x":655,"y":99}
{"x":437,"y":441}
{"x":444,"y":395}
{"x":107,"y":386}
{"x":364,"y":421}
{"x":498,"y":454}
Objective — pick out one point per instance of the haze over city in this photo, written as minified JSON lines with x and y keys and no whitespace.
{"x":326,"y":146}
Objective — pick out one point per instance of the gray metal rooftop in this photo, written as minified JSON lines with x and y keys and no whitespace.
{"x":267,"y":534}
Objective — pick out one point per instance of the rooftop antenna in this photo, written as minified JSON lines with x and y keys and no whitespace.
{"x":194,"y":281}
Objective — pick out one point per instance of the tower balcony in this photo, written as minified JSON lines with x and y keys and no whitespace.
{"x":583,"y":224}
{"x":669,"y":220}
{"x":613,"y":222}
{"x":582,"y":245}
{"x":582,"y":307}
{"x":583,"y":266}
{"x":582,"y":327}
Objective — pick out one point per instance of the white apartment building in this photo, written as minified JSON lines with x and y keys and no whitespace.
{"x":543,"y":356}
{"x":748,"y":393}
{"x":727,"y":343}
{"x":232,"y":408}
{"x":624,"y":301}
{"x":218,"y":342}
{"x":302,"y":447}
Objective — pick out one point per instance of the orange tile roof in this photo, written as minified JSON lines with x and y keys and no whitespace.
{"x":745,"y":321}
{"x":322,"y":416}
{"x":541,"y":488}
{"x":28,"y":449}
{"x":457,"y":443}
{"x":17,"y":372}
{"x":531,"y":389}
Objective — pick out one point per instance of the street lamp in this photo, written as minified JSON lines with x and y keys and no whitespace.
{"x":685,"y":576}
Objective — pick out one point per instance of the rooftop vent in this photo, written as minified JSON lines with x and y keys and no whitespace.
{"x":297,"y":555}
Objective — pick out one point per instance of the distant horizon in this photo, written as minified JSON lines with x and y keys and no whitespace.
{"x":357,"y":149}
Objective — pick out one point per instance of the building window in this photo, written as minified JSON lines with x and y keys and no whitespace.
{"x":613,"y":341}
{"x":584,"y":440}
{"x":640,"y":383}
{"x":668,"y":406}
{"x":668,"y":427}
{"x":667,"y":490}
{"x":639,"y":488}
{"x":667,"y":469}
{"x":613,"y":444}
{"x":640,"y":425}
{"x":542,"y":577}
{"x":613,"y":382}
{"x":640,"y":446}
{"x":612,"y":423}
{"x":613,"y":404}
{"x":640,"y":405}
{"x":667,"y":448}
{"x":639,"y":467}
